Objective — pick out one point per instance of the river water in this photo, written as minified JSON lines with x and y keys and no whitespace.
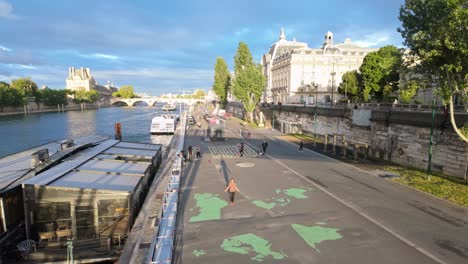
{"x":20,"y":132}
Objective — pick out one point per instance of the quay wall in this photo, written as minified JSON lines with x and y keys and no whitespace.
{"x":398,"y":136}
{"x":33,"y":107}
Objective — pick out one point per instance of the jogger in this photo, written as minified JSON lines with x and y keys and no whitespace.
{"x":232,"y":188}
{"x":198,"y":153}
{"x":301,"y":146}
{"x":264,"y":146}
{"x":241,"y":149}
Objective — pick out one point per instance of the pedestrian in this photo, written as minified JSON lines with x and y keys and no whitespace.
{"x":198,"y":153}
{"x":232,"y":188}
{"x":190,"y":152}
{"x":301,"y":146}
{"x":264,"y":146}
{"x":241,"y":149}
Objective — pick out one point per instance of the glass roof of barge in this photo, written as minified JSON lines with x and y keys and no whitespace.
{"x":112,"y":165}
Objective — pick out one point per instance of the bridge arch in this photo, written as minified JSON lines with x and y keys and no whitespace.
{"x":119,"y":103}
{"x":134,"y":103}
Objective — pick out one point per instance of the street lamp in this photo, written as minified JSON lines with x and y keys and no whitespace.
{"x":334,"y":60}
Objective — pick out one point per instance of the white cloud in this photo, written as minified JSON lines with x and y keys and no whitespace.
{"x":374,"y":39}
{"x":157,"y":73}
{"x":6,"y":9}
{"x":4,"y":48}
{"x":100,"y":56}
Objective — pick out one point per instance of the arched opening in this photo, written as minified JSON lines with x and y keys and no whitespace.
{"x":120,"y":103}
{"x":140,"y":104}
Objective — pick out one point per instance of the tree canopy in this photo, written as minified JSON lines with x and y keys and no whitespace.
{"x":243,"y":57}
{"x":380,"y":72}
{"x":350,"y":84}
{"x":125,"y":91}
{"x":54,"y":97}
{"x":436,"y":31}
{"x":83,"y":96}
{"x":9,"y":96}
{"x":26,"y":87}
{"x":222,"y":79}
{"x":249,"y":81}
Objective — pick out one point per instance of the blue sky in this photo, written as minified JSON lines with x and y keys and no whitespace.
{"x":167,"y":46}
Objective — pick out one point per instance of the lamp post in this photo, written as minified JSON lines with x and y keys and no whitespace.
{"x":333,"y":60}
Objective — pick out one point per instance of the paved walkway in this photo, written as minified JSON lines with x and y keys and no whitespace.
{"x":302,"y":207}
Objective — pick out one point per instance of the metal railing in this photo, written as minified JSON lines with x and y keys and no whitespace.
{"x":161,"y":250}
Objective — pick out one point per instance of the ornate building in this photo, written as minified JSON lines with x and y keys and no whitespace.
{"x":296,"y":73}
{"x":82,"y":78}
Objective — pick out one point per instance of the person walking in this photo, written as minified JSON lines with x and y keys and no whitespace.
{"x":301,"y":146}
{"x":264,"y":146}
{"x":232,"y":188}
{"x":241,"y":149}
{"x":198,"y":153}
{"x":190,"y":152}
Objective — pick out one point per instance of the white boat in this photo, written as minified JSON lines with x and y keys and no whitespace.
{"x":164,"y":124}
{"x":169,"y":107}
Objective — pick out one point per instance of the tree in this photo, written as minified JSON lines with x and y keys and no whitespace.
{"x":243,"y":57}
{"x":350,"y":84}
{"x":222,"y":80}
{"x":408,"y":92}
{"x":380,"y":72}
{"x":199,"y":94}
{"x":83,"y":96}
{"x":436,"y":33}
{"x":53,"y":97}
{"x":249,"y":81}
{"x":248,"y":87}
{"x":125,"y":91}
{"x":26,"y":87}
{"x":9,"y":96}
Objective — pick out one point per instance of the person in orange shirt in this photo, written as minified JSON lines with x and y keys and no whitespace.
{"x":232,"y":188}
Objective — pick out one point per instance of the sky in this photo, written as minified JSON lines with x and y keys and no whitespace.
{"x":170,"y":46}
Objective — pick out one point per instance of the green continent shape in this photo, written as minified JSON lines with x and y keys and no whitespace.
{"x":314,"y":235}
{"x":263,"y":204}
{"x":209,"y":205}
{"x":198,"y":253}
{"x":243,"y":244}
{"x":296,"y":193}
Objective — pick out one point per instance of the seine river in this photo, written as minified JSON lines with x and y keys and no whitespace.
{"x":20,"y":132}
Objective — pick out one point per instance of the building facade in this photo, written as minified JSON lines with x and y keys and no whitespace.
{"x":82,"y":78}
{"x":296,"y":73}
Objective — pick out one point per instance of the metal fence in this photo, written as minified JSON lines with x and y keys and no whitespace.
{"x":161,"y":250}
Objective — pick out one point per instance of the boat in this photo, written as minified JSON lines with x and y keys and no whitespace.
{"x":169,"y":107}
{"x":164,"y":124}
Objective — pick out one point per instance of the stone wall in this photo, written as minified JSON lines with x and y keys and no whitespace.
{"x":33,"y":107}
{"x":398,"y":136}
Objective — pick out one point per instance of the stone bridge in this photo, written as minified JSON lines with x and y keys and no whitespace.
{"x":151,"y":101}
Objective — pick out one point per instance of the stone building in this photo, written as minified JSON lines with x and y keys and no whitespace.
{"x":296,"y":73}
{"x":82,"y":78}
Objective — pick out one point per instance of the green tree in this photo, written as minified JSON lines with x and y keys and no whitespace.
{"x":125,"y":91}
{"x":53,"y":97}
{"x":243,"y":57}
{"x":9,"y":96}
{"x":248,"y":87}
{"x":199,"y":94}
{"x":83,"y":96}
{"x":408,"y":91}
{"x":249,"y":81}
{"x":436,"y":33}
{"x":380,"y":72}
{"x":222,"y":80}
{"x":350,"y":84}
{"x":26,"y":87}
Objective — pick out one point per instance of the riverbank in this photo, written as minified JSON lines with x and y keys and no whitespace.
{"x":50,"y":110}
